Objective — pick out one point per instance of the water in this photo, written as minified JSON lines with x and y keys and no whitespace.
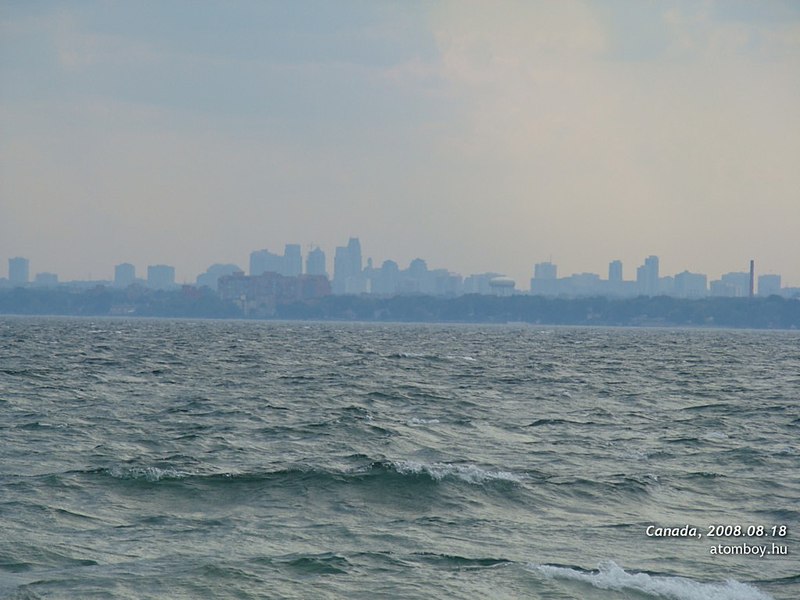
{"x":181,"y":459}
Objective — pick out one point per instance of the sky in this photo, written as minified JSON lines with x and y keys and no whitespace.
{"x":480,"y":136}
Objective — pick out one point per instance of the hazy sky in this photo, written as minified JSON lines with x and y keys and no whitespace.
{"x":480,"y":136}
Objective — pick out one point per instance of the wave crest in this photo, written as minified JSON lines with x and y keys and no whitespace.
{"x":610,"y":576}
{"x":151,"y":474}
{"x":469,"y":473}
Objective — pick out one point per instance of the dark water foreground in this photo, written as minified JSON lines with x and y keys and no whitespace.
{"x":179,"y":459}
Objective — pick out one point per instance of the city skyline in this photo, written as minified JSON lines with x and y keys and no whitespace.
{"x":349,"y":263}
{"x":480,"y":137}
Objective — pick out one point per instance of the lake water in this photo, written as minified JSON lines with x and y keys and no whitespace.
{"x":226,"y":459}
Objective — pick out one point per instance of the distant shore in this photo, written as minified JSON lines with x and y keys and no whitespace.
{"x":772,"y":312}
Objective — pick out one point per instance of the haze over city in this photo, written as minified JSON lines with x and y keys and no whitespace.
{"x":478,"y":136}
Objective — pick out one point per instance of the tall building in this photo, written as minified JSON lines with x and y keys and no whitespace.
{"x":160,"y":277}
{"x":264,"y":261}
{"x":354,"y":251}
{"x":288,"y":265}
{"x":545,"y":279}
{"x":315,"y":263}
{"x":18,"y":271}
{"x":386,"y":279}
{"x":292,"y":261}
{"x":124,"y":275}
{"x":347,"y":269}
{"x":647,"y":277}
{"x":615,"y":271}
{"x":545,"y":270}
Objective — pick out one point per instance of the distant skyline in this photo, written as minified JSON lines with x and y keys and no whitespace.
{"x":479,"y":136}
{"x":542,"y":269}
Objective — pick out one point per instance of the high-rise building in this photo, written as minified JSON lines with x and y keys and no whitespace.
{"x":354,"y":251}
{"x":545,"y":270}
{"x":647,"y":277}
{"x":264,"y":261}
{"x":387,"y":278}
{"x":124,"y":275}
{"x":315,"y":263}
{"x":288,"y":265}
{"x":160,"y":277}
{"x":347,"y":269}
{"x":545,"y":279}
{"x":615,"y":271}
{"x":18,"y":271}
{"x":292,"y":261}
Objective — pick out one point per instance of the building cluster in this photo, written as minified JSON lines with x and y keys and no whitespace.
{"x":280,"y":278}
{"x":648,"y":282}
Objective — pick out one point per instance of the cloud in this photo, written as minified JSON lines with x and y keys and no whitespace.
{"x":478,"y":136}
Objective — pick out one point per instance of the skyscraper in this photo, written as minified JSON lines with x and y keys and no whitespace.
{"x":292,"y":261}
{"x":545,"y":270}
{"x":264,"y":261}
{"x":615,"y":271}
{"x":545,"y":279}
{"x":647,"y":277}
{"x":18,"y":270}
{"x":347,"y":269}
{"x":315,"y":263}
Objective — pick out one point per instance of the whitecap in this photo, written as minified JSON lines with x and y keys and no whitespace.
{"x":415,"y":421}
{"x":469,"y":473}
{"x":610,"y":576}
{"x":151,"y":474}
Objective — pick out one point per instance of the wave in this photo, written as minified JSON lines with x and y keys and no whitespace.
{"x":469,"y":473}
{"x":151,"y":474}
{"x":416,"y":421}
{"x":436,"y":472}
{"x":610,"y":576}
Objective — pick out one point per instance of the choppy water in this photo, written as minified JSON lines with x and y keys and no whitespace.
{"x":179,"y":459}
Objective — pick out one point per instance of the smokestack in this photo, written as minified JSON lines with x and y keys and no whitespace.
{"x":752,"y":277}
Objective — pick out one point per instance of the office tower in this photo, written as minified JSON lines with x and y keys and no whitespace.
{"x":160,"y":277}
{"x":545,"y":270}
{"x":387,"y":278}
{"x":315,"y":263}
{"x":18,"y":270}
{"x":354,"y":251}
{"x":264,"y":261}
{"x":347,"y":270}
{"x":292,"y":261}
{"x":545,"y":279}
{"x":647,"y":277}
{"x":615,"y":271}
{"x":124,"y":275}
